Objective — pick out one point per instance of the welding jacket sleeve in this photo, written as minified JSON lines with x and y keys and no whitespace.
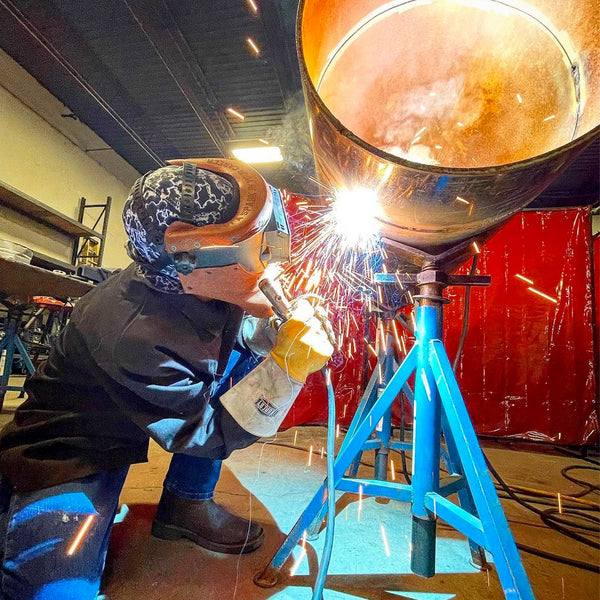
{"x":163,"y":362}
{"x":261,"y":400}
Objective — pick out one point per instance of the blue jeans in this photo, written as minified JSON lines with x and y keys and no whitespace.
{"x":53,"y":542}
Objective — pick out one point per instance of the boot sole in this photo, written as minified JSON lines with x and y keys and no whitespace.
{"x":164,"y":531}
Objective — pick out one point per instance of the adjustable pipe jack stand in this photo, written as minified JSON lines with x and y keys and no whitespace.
{"x":438,"y":405}
{"x":9,"y":345}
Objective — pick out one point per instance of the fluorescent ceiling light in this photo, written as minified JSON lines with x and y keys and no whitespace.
{"x":258,"y":154}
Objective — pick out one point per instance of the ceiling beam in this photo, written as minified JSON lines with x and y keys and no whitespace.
{"x":157,"y":22}
{"x":41,"y":18}
{"x":282,"y":47}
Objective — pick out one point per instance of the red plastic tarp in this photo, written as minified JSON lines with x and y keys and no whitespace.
{"x":528,"y":367}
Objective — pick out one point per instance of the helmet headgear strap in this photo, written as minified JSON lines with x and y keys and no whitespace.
{"x":188,"y":192}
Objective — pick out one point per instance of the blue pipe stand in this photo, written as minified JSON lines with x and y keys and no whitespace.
{"x":9,"y":344}
{"x":381,"y":441}
{"x":437,"y":402}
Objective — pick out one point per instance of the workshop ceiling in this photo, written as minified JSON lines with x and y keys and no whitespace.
{"x":154,"y":79}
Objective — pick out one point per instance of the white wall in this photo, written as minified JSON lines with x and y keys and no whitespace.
{"x":42,"y":162}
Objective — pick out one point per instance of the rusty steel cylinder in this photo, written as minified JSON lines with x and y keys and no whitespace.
{"x":457,"y":112}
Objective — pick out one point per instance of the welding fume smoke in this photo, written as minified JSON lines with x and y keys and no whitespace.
{"x":402,"y":134}
{"x":293,"y":136}
{"x":454,"y":83}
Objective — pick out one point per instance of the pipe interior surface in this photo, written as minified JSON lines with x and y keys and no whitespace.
{"x":457,"y":112}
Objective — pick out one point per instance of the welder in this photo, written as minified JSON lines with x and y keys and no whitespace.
{"x":169,"y":348}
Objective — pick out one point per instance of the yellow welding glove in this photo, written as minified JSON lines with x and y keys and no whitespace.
{"x":303,"y":344}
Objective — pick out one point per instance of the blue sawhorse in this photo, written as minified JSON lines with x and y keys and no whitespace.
{"x":10,"y":343}
{"x":437,"y":402}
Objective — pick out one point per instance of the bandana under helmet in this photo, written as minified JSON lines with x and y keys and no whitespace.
{"x":215,"y":201}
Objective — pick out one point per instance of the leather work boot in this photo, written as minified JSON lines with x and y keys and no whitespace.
{"x":205,"y":523}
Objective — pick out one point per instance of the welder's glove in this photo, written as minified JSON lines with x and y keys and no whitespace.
{"x":261,"y":400}
{"x":303,"y":343}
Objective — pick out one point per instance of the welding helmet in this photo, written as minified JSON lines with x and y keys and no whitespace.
{"x":225,"y":256}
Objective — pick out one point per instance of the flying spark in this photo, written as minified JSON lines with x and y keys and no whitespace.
{"x":550,"y":298}
{"x":371,"y":349}
{"x":414,"y":321}
{"x":236,"y":114}
{"x":386,"y":546}
{"x":360,"y":499}
{"x":253,"y":45}
{"x":523,"y":278}
{"x":80,"y":534}
{"x":298,"y":561}
{"x":426,"y":384}
{"x":336,"y":250}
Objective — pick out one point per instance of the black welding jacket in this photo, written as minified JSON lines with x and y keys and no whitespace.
{"x":132,"y":363}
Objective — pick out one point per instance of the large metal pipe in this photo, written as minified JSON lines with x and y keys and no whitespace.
{"x":459,"y":112}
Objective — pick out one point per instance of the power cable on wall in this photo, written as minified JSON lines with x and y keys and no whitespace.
{"x":71,"y":70}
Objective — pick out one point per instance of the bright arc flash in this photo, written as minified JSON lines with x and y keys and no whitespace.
{"x":353,"y":217}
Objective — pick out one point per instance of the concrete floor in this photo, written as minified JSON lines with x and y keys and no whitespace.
{"x":272,"y":483}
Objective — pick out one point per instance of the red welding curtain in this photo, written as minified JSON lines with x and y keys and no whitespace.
{"x":528,"y":368}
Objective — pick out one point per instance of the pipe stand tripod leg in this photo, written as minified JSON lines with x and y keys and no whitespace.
{"x":422,"y":557}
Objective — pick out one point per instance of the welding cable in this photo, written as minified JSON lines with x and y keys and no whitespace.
{"x":595,"y":568}
{"x":465,"y":327}
{"x":45,"y":43}
{"x":578,"y":455}
{"x":328,"y":545}
{"x":584,"y":484}
{"x":550,"y":499}
{"x":560,"y":559}
{"x":548,"y":516}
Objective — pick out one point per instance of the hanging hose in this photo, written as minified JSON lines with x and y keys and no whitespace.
{"x":282,"y":309}
{"x":465,"y":327}
{"x":328,"y":546}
